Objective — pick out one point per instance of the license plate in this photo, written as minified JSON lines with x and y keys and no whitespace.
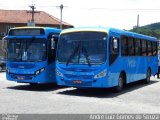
{"x":21,"y":77}
{"x":77,"y":82}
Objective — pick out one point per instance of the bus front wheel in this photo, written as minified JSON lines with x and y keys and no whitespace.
{"x":33,"y":84}
{"x":121,"y":82}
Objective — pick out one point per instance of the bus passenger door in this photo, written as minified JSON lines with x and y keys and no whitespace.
{"x":52,"y":49}
{"x":52,"y":45}
{"x":114,"y":63}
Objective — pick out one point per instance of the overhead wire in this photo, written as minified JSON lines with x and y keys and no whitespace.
{"x":90,"y":8}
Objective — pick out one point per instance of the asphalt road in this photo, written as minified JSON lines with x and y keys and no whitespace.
{"x":17,"y":98}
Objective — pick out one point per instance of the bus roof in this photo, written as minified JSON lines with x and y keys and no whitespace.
{"x":79,"y":29}
{"x":46,"y":29}
{"x":30,"y":27}
{"x":108,"y":30}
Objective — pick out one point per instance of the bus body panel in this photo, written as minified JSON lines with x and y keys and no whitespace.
{"x":153,"y":64}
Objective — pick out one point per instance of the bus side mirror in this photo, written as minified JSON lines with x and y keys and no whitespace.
{"x":4,"y":43}
{"x":53,"y":44}
{"x":115,"y":43}
{"x":3,"y":34}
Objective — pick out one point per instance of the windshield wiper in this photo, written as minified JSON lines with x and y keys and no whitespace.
{"x":73,"y":54}
{"x":20,"y":51}
{"x":29,"y":43}
{"x":86,"y":55}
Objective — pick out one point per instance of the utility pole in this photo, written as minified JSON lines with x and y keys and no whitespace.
{"x":61,"y":8}
{"x":137,"y":22}
{"x":33,"y":8}
{"x":32,"y":12}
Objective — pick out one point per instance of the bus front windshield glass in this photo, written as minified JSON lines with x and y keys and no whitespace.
{"x":82,"y":48}
{"x":33,"y":49}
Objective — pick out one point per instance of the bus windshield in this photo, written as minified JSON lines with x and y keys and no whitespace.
{"x":27,"y":50}
{"x":82,"y":48}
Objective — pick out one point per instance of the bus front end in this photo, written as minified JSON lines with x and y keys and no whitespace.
{"x":81,"y":59}
{"x":27,"y":60}
{"x":29,"y":72}
{"x":82,"y":77}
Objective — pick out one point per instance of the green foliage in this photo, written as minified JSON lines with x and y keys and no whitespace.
{"x":151,"y":30}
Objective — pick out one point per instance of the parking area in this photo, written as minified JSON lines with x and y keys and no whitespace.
{"x":22,"y":98}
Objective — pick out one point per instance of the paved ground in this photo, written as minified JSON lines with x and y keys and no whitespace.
{"x":23,"y":98}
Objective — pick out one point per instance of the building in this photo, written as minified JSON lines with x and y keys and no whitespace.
{"x":18,"y":18}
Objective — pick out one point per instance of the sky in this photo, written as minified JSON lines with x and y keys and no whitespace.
{"x":120,"y":14}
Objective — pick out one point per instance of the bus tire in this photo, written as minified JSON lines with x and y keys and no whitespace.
{"x":33,"y":84}
{"x":148,"y":75}
{"x":121,"y":83}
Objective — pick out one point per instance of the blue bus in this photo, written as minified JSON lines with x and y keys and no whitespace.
{"x":31,"y":53}
{"x":104,"y":57}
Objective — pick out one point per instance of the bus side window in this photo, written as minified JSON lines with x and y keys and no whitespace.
{"x":144,"y":48}
{"x":124,"y":44}
{"x":154,"y":47}
{"x":137,"y":47}
{"x":113,"y":49}
{"x":52,"y":52}
{"x":131,"y":46}
{"x":149,"y":48}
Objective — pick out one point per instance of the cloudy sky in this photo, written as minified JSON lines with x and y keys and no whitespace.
{"x":114,"y":13}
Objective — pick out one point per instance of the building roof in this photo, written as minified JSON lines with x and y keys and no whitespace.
{"x":24,"y":16}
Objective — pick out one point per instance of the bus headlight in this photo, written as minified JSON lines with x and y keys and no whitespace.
{"x":36,"y":73}
{"x":101,"y":74}
{"x":58,"y":73}
{"x":39,"y":71}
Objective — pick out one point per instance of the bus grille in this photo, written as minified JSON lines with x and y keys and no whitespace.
{"x":79,"y":69}
{"x":21,"y":76}
{"x":22,"y":66}
{"x":78,"y":76}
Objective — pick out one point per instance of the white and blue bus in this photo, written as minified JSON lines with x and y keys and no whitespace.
{"x":31,"y":54}
{"x":104,"y":57}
